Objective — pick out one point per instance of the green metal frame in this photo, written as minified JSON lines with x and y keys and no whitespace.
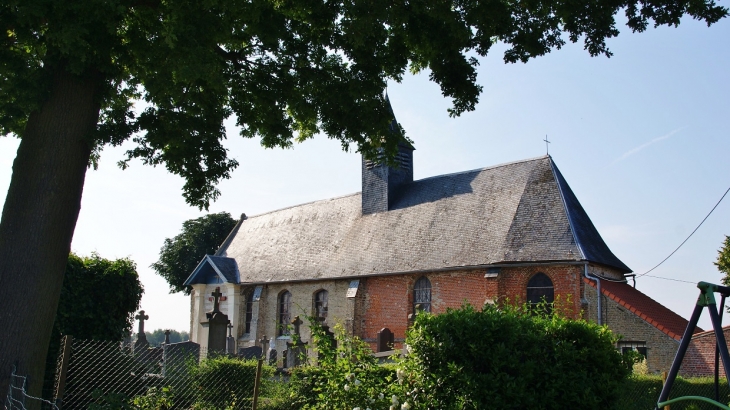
{"x":699,"y":398}
{"x":705,"y":300}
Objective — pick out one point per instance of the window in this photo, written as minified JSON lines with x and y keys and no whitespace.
{"x":626,"y":346}
{"x":539,"y":289}
{"x":422,"y":294}
{"x":320,"y":304}
{"x":284,"y":312}
{"x":249,"y":311}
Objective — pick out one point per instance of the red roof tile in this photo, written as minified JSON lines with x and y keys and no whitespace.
{"x":645,"y":307}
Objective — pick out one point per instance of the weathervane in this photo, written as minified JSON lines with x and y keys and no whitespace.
{"x":547,"y":149}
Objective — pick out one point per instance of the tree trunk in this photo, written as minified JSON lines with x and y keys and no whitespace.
{"x":38,"y":221}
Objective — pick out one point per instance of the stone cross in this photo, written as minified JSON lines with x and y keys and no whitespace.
{"x":296,"y":322}
{"x":167,"y":336}
{"x":230,"y":329}
{"x":263,"y":342}
{"x":216,"y":299}
{"x":141,"y":317}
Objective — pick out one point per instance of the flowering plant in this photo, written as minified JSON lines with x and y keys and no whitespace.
{"x":345,"y":376}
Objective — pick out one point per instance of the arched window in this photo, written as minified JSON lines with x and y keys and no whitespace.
{"x":284,"y":312}
{"x":320,"y":304}
{"x":422,"y":294}
{"x":249,"y":311}
{"x":539,"y":289}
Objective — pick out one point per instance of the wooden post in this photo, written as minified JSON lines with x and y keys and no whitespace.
{"x":664,"y":381}
{"x":257,"y":381}
{"x":62,"y":370}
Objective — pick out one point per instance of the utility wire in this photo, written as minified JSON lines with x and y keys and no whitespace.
{"x":676,"y":280}
{"x":690,"y":235}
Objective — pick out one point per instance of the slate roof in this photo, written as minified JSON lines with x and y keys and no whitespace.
{"x":220,"y":267}
{"x":517,"y":212}
{"x":645,"y":307}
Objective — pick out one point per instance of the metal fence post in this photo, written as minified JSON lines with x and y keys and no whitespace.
{"x":62,"y":370}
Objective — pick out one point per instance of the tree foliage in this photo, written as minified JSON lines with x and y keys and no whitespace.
{"x":723,"y":260}
{"x":286,"y":69}
{"x":157,"y":337}
{"x":199,"y":237}
{"x":98,"y":299}
{"x":70,"y":72}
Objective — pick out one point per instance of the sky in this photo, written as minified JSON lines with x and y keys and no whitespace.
{"x":642,"y":138}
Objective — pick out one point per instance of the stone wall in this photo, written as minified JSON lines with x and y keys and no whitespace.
{"x":340,"y":309}
{"x":661,"y":348}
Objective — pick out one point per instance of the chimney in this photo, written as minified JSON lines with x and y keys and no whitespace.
{"x":380,"y":182}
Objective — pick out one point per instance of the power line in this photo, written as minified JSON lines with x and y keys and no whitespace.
{"x":675,"y":280}
{"x":690,"y":235}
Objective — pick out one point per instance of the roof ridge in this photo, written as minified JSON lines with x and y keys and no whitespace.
{"x":305,"y":203}
{"x":709,"y":332}
{"x":418,"y":180}
{"x":504,"y":164}
{"x":227,"y":242}
{"x":565,"y":209}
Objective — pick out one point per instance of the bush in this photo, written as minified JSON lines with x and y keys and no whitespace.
{"x":496,"y":358}
{"x":509,"y":358}
{"x":346,"y":376}
{"x":222,"y":382}
{"x":641,"y":392}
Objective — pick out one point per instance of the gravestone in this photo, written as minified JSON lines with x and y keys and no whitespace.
{"x":272,"y":352}
{"x":253,"y":352}
{"x":384,"y":340}
{"x":230,"y":341}
{"x":297,"y":349}
{"x":141,"y":344}
{"x":176,"y":357}
{"x":216,"y":324}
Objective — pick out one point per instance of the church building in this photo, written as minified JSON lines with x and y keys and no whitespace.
{"x":368,"y":260}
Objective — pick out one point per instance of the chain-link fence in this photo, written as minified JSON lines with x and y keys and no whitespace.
{"x":96,"y":375}
{"x":105,"y":375}
{"x":18,"y":397}
{"x":642,"y":392}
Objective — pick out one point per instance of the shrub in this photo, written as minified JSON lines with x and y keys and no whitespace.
{"x":222,"y":382}
{"x":641,"y":392}
{"x":345,"y":377}
{"x":155,"y":399}
{"x":509,"y":358}
{"x":496,"y":358}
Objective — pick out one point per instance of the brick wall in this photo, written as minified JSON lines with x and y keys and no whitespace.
{"x":700,"y":357}
{"x":566,"y":279}
{"x":389,"y":299}
{"x":386,"y":301}
{"x":661,"y":348}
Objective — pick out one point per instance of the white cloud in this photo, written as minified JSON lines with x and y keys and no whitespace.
{"x":644,"y":145}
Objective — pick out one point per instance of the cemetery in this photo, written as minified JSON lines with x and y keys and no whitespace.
{"x":507,"y":357}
